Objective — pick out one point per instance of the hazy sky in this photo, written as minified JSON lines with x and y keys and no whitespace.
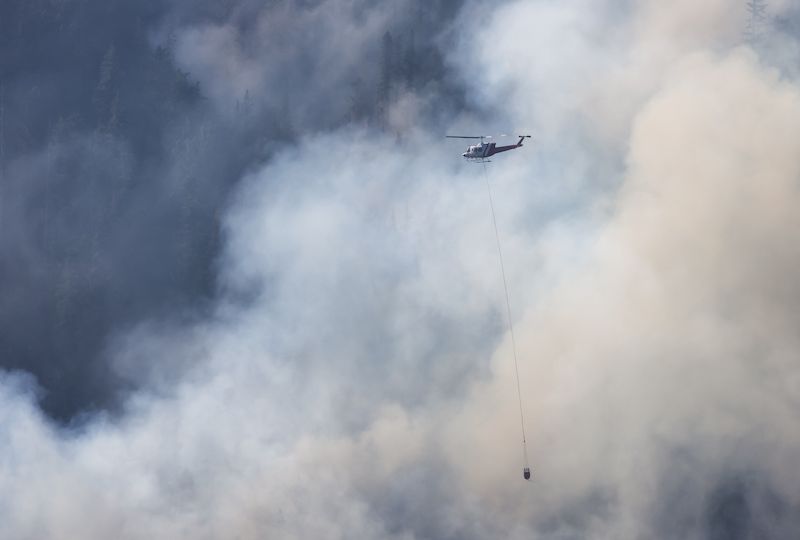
{"x":251,"y":291}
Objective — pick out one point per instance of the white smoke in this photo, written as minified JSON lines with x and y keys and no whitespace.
{"x":355,"y":379}
{"x":254,"y":56}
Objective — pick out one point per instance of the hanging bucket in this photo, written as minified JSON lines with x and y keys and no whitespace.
{"x":526,"y":473}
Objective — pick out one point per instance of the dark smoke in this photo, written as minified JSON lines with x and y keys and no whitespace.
{"x":116,"y":164}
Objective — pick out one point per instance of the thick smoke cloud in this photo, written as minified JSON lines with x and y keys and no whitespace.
{"x":125,"y":128}
{"x":353,"y":376}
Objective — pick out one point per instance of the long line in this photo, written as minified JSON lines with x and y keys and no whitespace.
{"x":508,"y":312}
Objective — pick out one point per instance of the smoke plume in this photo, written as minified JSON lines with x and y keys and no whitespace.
{"x":350,"y":372}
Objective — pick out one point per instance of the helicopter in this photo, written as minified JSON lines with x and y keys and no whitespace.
{"x":481,"y":152}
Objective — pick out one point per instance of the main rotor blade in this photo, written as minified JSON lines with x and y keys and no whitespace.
{"x":468,"y":136}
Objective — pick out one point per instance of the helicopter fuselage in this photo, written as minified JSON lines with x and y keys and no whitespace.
{"x":485,"y":150}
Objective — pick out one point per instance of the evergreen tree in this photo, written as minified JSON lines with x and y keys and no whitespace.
{"x":410,"y":61}
{"x":2,"y":151}
{"x":756,"y":21}
{"x":387,"y":70}
{"x":106,"y":99}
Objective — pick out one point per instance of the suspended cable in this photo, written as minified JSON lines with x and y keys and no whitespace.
{"x":526,"y":468}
